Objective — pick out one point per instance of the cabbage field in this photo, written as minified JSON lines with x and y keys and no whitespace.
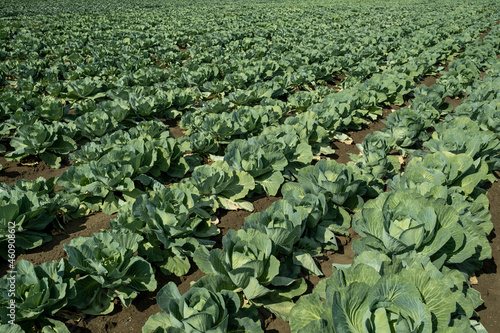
{"x":249,"y":166}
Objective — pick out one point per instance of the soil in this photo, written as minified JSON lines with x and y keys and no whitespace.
{"x":429,"y":80}
{"x":234,"y":219}
{"x":342,"y":149}
{"x":174,"y":127}
{"x":53,"y":250}
{"x":13,"y":171}
{"x":455,"y":101}
{"x":176,"y":131}
{"x":488,"y":281}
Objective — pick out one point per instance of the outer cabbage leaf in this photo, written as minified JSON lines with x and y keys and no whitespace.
{"x":247,"y":264}
{"x":262,"y":161}
{"x":376,"y":293}
{"x":46,"y":141}
{"x":460,"y":172}
{"x":461,"y":135}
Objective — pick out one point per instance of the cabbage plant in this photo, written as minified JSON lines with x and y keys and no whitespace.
{"x":374,"y":158}
{"x":342,"y":185}
{"x":108,"y":269}
{"x":461,"y":135}
{"x":95,"y":124}
{"x":400,"y":222}
{"x":247,"y":260}
{"x":29,"y":207}
{"x":406,"y":127}
{"x":48,"y":142}
{"x":225,"y":186}
{"x":40,"y":292}
{"x":377,"y":294}
{"x":173,"y":223}
{"x":295,"y":229}
{"x":264,"y":162}
{"x":95,"y":183}
{"x":460,"y":172}
{"x":200,"y":310}
{"x":248,"y":264}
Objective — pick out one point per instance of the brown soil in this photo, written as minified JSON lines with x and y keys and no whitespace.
{"x":129,"y":319}
{"x":454,"y":101}
{"x":484,"y":34}
{"x":234,"y":219}
{"x":174,"y":128}
{"x":176,"y":131}
{"x":13,"y":171}
{"x":342,"y":150}
{"x":53,"y":250}
{"x":488,"y":281}
{"x":429,"y":80}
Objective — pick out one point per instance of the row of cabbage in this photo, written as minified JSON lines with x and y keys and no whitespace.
{"x":173,"y":222}
{"x":104,"y":112}
{"x":421,"y":241}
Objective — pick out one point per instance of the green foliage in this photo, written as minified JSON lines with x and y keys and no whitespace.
{"x":40,"y":292}
{"x":374,"y":158}
{"x":295,"y":231}
{"x":461,"y":135}
{"x":400,"y":222}
{"x":108,"y":269}
{"x":262,"y":160}
{"x":263,"y":90}
{"x":144,"y":131}
{"x":174,"y":224}
{"x":460,"y":172}
{"x":248,"y":264}
{"x":461,"y":74}
{"x":406,"y":127}
{"x":200,"y":310}
{"x":342,"y":185}
{"x":94,"y":184}
{"x":48,"y":142}
{"x":27,"y":208}
{"x":376,"y":294}
{"x":225,"y":186}
{"x":95,"y":124}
